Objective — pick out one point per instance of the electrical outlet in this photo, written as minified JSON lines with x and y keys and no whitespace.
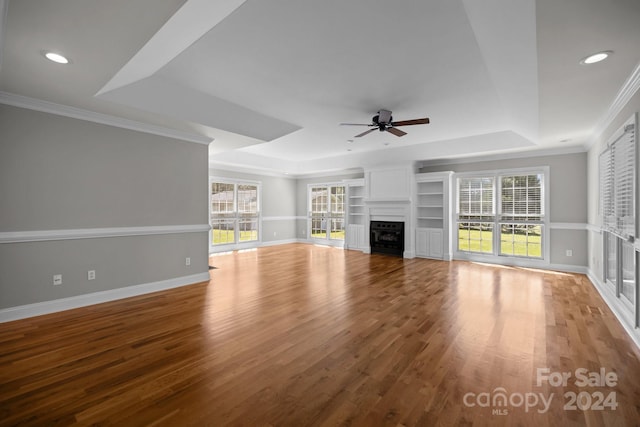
{"x":569,"y":252}
{"x":91,"y":275}
{"x":187,"y":261}
{"x":57,"y":279}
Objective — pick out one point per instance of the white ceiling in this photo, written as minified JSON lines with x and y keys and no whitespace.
{"x":270,"y":81}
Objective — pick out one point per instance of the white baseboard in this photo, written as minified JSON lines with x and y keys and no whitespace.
{"x":338,"y":244}
{"x":230,"y":248}
{"x":62,"y":304}
{"x":616,"y":307}
{"x":566,"y":268}
{"x":282,"y":242}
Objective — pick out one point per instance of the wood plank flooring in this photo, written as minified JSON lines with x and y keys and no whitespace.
{"x":299,"y":335}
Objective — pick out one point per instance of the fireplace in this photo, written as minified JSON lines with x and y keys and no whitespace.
{"x":387,"y":237}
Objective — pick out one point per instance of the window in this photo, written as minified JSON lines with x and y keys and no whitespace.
{"x":617,"y":168}
{"x":501,"y":214}
{"x":327,"y":204}
{"x":476,"y":214}
{"x":247,"y":212}
{"x":521,"y":215}
{"x":234,"y":212}
{"x":617,"y":182}
{"x":222,"y":213}
{"x":628,"y":276}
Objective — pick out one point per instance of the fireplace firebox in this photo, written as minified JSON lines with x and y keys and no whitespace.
{"x":387,"y":237}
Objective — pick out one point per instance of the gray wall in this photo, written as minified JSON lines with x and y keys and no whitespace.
{"x":59,"y":173}
{"x":568,"y":198}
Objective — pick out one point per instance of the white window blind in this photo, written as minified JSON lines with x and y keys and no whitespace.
{"x":475,"y":198}
{"x":624,"y":165}
{"x":617,"y":182}
{"x":521,"y":198}
{"x":606,"y":189}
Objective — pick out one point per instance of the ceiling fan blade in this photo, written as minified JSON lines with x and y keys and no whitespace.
{"x":424,"y":121}
{"x":355,"y":124}
{"x":396,"y":132}
{"x":365,"y":132}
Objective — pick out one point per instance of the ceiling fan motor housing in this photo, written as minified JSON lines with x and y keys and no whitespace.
{"x":382,"y":119}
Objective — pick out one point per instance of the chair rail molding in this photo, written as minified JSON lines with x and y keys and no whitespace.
{"x":93,"y":233}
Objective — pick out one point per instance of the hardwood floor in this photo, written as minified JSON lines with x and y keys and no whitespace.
{"x":299,"y":335}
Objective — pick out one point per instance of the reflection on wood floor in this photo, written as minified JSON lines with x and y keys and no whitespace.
{"x":299,"y":335}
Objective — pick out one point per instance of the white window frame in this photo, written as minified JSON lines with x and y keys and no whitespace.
{"x":328,"y":240}
{"x":495,"y":256}
{"x":617,"y":171}
{"x":236,"y":217}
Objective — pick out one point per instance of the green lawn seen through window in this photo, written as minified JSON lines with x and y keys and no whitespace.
{"x":227,"y":236}
{"x":337,"y":235}
{"x":510,"y":244}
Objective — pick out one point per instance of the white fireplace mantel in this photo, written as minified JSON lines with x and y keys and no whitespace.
{"x":389,"y":198}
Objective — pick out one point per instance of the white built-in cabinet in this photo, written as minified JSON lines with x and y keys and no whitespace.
{"x":432,"y":212}
{"x":355,"y":238}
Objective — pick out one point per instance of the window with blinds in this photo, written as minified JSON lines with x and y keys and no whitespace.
{"x":501,"y":214}
{"x":476,"y":214}
{"x":617,"y":169}
{"x":521,"y":214}
{"x":617,"y":182}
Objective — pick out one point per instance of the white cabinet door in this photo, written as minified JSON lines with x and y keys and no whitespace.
{"x":355,"y":236}
{"x":429,"y":242}
{"x":435,"y":244}
{"x":422,"y":242}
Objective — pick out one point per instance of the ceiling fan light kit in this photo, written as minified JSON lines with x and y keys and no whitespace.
{"x":383,"y":121}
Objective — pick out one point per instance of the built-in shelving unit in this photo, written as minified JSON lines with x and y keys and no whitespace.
{"x":432,"y":215}
{"x":430,"y":204}
{"x":356,"y":204}
{"x":355,"y":238}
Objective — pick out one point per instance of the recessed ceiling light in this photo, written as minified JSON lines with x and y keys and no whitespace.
{"x":56,"y":57}
{"x":596,"y":57}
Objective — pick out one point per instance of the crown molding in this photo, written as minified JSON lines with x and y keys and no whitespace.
{"x":215,"y":166}
{"x":542,"y":152}
{"x":626,"y":92}
{"x":91,"y":116}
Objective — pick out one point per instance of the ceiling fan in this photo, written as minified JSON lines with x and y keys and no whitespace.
{"x":384,"y":122}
